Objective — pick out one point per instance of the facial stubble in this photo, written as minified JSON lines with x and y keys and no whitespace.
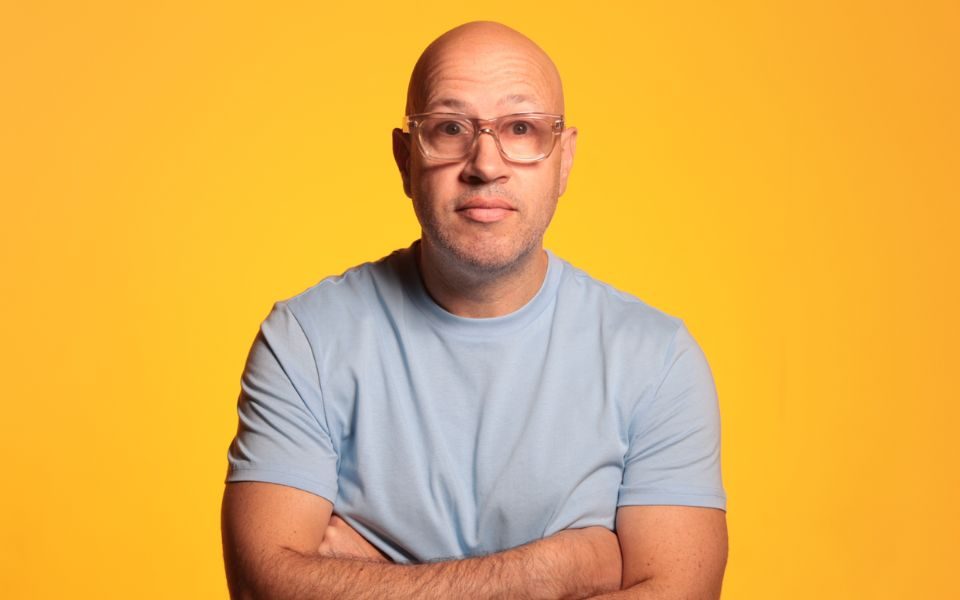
{"x":486,"y":255}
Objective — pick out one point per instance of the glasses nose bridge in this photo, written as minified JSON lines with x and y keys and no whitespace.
{"x":490,"y":130}
{"x":487,"y":126}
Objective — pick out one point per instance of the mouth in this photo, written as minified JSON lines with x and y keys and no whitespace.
{"x":486,"y":210}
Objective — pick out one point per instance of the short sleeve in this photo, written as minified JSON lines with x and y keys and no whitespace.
{"x":673,"y":456}
{"x":282,"y":435}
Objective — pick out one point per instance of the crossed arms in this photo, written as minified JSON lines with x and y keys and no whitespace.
{"x":283,"y":543}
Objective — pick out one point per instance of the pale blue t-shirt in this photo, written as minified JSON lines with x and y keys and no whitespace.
{"x":438,"y":436}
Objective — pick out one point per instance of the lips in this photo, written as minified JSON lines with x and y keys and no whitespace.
{"x":486,"y":210}
{"x":483,"y":202}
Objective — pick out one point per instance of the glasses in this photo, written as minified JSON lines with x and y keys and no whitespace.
{"x":520,"y":137}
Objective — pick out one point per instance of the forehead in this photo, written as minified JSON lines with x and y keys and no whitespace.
{"x":487,"y":82}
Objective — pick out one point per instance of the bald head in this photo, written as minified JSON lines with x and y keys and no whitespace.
{"x":484,"y":53}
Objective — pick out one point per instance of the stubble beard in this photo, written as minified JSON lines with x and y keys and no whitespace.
{"x":484,"y":257}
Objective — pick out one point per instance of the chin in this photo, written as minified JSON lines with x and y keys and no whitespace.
{"x":487,"y":259}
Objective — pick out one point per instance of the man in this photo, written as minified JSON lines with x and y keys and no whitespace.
{"x":473,"y":417}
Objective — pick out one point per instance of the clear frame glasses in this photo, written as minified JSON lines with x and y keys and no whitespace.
{"x":520,"y":137}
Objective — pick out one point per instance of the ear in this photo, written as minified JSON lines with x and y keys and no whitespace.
{"x":401,"y":154}
{"x":568,"y":145}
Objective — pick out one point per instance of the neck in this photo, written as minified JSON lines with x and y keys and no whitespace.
{"x":465,"y":293}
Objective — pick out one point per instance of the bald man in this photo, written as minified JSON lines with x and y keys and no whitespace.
{"x":472,"y":416}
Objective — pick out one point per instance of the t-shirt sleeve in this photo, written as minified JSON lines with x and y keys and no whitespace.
{"x":282,"y":435}
{"x":673,"y":457}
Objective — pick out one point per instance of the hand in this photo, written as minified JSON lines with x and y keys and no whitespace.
{"x":342,"y":541}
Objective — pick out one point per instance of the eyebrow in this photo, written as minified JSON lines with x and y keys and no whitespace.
{"x":514,"y":99}
{"x":453,"y":103}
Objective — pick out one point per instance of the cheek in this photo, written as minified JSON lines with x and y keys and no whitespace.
{"x":434,"y":184}
{"x":540,"y":185}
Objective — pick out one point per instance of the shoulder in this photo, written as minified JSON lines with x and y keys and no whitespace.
{"x":341,"y":306}
{"x":620,"y":316}
{"x":348,"y":297}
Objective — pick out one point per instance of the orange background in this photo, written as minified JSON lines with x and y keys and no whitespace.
{"x":783,"y":176}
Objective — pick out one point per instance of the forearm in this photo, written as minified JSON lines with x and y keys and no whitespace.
{"x":645,"y":590}
{"x":653,"y":590}
{"x":571,"y":564}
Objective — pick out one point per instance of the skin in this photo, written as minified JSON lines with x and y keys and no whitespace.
{"x":280,"y":542}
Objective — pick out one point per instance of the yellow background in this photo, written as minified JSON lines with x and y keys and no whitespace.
{"x":783,"y":176}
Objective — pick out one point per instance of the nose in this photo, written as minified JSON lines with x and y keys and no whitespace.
{"x":485,"y":164}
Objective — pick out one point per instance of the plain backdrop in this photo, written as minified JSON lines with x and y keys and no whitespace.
{"x":782,"y":176}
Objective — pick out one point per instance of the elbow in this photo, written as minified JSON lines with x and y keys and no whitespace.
{"x":270,"y":577}
{"x":245,"y":580}
{"x":239,"y":587}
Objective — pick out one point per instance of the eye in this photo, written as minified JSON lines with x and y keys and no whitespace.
{"x":451,"y":128}
{"x":520,"y":128}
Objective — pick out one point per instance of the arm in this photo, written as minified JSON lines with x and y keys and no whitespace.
{"x":272,"y":535}
{"x":671,"y":522}
{"x":671,"y":552}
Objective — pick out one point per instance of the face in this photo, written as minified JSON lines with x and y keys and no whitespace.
{"x":484,"y":212}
